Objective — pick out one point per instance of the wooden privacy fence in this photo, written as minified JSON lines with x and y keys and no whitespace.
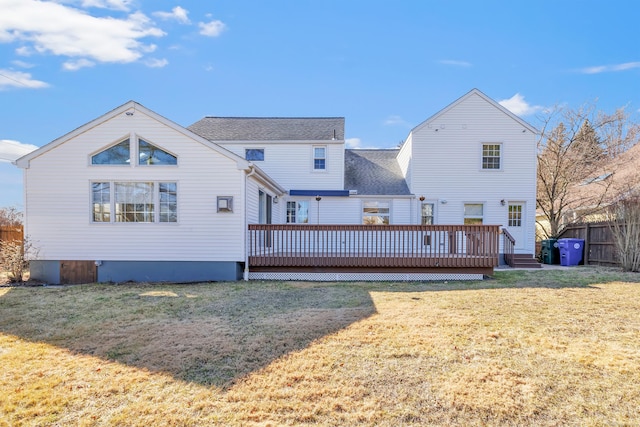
{"x":373,"y":246}
{"x":599,"y":246}
{"x":11,"y":233}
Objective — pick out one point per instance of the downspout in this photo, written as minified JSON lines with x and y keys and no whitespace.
{"x":246,"y":224}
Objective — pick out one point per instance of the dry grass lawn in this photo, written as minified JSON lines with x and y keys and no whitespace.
{"x":543,"y":348}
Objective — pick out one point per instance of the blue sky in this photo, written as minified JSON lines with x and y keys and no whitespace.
{"x":385,"y":66}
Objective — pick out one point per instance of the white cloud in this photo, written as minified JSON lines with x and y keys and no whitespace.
{"x":610,"y":68}
{"x":24,"y":51}
{"x":454,"y":62}
{"x":19,"y":79}
{"x":75,"y":65}
{"x":156,"y":63}
{"x":353,"y":142}
{"x":12,"y":150}
{"x":518,"y":106}
{"x":22,"y":64}
{"x":211,"y":29}
{"x":177,"y":13}
{"x":395,"y":120}
{"x":53,"y":28}
{"x":123,"y":5}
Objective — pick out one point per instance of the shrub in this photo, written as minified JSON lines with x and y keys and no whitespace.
{"x":14,"y":258}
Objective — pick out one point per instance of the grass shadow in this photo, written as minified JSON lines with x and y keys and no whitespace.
{"x":217,"y":333}
{"x":210,"y":334}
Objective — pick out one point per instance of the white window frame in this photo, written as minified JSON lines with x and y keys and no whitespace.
{"x":134,"y":153}
{"x":472,"y":217}
{"x":296,"y":219}
{"x":500,"y":156}
{"x":515,"y":218}
{"x":246,"y":149}
{"x":112,"y":201}
{"x":314,"y":158}
{"x":434,"y":206}
{"x":364,"y":214}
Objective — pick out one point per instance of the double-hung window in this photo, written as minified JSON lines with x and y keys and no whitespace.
{"x":298,"y":212}
{"x":473,"y":213}
{"x":319,"y":158}
{"x":427,"y":213}
{"x":491,"y":156}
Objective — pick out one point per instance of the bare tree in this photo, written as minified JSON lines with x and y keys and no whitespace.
{"x":575,"y":147}
{"x":10,"y":216}
{"x":624,"y":221}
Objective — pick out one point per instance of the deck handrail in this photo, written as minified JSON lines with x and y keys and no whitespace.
{"x":508,"y":245}
{"x":361,"y":245}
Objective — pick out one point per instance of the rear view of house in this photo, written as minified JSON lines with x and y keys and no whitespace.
{"x":134,"y":196}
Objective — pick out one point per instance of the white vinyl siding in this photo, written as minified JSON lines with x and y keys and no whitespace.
{"x":446,"y":159}
{"x":290,"y":163}
{"x":63,"y":175}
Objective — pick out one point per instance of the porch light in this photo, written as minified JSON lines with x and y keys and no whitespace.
{"x":502,"y":202}
{"x":422,"y":198}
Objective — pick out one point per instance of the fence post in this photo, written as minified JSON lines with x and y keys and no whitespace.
{"x":587,"y":249}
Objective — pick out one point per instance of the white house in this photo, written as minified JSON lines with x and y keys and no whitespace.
{"x":134,"y":196}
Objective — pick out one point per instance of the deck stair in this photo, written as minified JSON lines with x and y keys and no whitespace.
{"x":525,"y":261}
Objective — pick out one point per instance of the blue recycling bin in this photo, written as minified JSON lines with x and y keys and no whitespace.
{"x":570,"y":251}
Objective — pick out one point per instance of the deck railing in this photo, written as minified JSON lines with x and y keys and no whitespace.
{"x":508,"y":245}
{"x":373,"y":246}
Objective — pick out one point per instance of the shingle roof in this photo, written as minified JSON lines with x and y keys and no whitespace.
{"x":374,"y":172}
{"x":269,"y":128}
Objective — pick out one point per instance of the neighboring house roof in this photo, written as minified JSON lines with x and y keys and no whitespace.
{"x":270,"y":128}
{"x":616,"y":180}
{"x":374,"y":172}
{"x":476,"y":92}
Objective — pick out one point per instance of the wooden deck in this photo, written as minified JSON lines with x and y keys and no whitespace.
{"x":370,"y":248}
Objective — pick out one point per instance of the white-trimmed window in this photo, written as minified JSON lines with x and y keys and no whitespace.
{"x":298,"y":212}
{"x":427,"y":213}
{"x":254,"y":154}
{"x":319,"y":158}
{"x":375,"y":212}
{"x":134,"y":201}
{"x":473,"y":213}
{"x":121,"y":154}
{"x":515,"y":215}
{"x":150,"y":154}
{"x":491,"y":156}
{"x":118,"y":154}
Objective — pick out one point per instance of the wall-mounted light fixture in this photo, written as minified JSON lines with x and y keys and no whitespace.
{"x":443,"y":202}
{"x":224,"y":203}
{"x":503,"y":202}
{"x":422,"y":198}
{"x":276,"y":200}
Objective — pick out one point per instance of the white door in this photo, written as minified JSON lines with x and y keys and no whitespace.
{"x":515,"y":224}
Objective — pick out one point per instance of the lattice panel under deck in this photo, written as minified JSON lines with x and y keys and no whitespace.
{"x":364,"y":277}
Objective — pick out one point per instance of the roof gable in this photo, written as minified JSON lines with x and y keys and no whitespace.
{"x":374,"y":172}
{"x":129,"y":108}
{"x":462,"y":99}
{"x":270,"y":128}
